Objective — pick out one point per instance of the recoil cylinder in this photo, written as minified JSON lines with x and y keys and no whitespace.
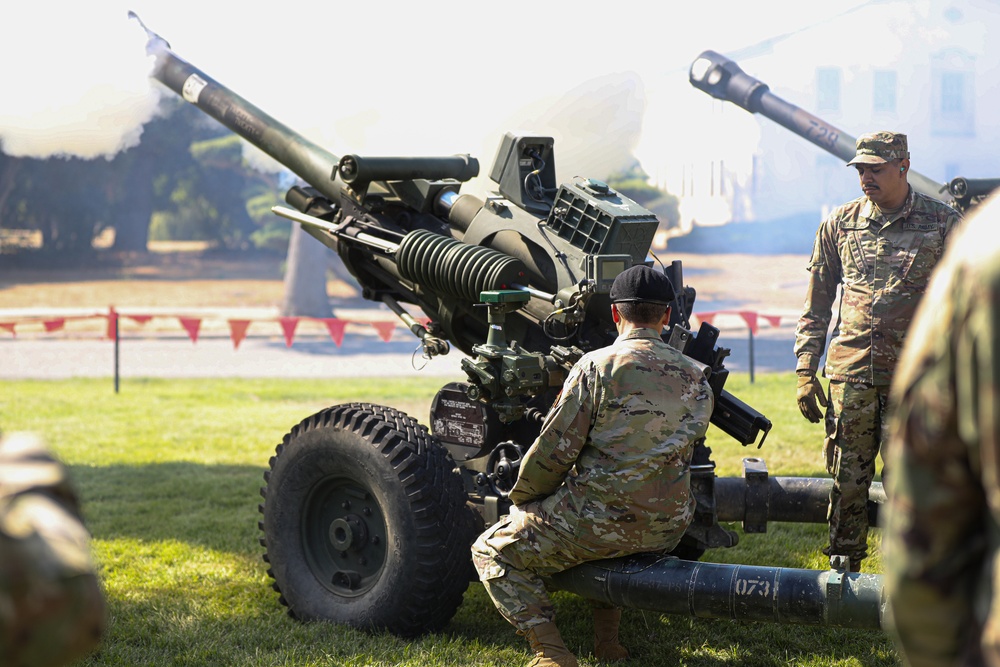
{"x":447,"y":266}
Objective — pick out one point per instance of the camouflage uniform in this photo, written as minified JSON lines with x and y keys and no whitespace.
{"x":942,"y":523}
{"x":51,"y":606}
{"x":882,"y":266}
{"x":608,"y":475}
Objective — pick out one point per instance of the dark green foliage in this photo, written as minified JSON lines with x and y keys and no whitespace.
{"x":186,"y":180}
{"x":634,"y":184}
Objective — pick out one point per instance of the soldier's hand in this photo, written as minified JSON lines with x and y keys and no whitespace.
{"x":809,"y":391}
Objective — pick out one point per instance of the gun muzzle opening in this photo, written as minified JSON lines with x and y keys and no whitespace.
{"x":702,"y":69}
{"x":722,"y":78}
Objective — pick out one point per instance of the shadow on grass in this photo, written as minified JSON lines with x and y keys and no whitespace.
{"x":235,"y":619}
{"x":213,"y":506}
{"x":168,"y":630}
{"x":660,"y":640}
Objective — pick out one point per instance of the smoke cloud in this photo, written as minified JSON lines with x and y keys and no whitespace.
{"x":75,"y":81}
{"x":387,"y":78}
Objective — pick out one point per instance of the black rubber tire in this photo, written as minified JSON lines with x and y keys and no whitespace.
{"x":366,"y":523}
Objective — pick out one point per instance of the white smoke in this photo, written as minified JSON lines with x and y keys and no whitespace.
{"x":389,"y":78}
{"x":75,"y":81}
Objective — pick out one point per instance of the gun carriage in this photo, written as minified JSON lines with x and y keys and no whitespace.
{"x":368,"y":516}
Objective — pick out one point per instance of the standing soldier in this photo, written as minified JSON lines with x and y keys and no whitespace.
{"x":608,"y":475}
{"x":881,"y":249}
{"x":51,"y":605}
{"x":942,"y":520}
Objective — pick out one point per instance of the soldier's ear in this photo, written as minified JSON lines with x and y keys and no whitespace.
{"x":616,"y":317}
{"x":666,"y":318}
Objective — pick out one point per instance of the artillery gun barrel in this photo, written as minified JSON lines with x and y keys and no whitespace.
{"x":738,"y":592}
{"x":309,"y":161}
{"x":723,"y":79}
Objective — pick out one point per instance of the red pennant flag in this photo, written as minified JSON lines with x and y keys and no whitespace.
{"x":9,"y":326}
{"x":288,"y":325}
{"x":336,"y":329}
{"x":773,"y":320}
{"x":706,"y":317}
{"x":238,"y":331}
{"x":750,"y":318}
{"x":140,"y":319}
{"x":54,"y":325}
{"x":112,"y":323}
{"x":384,"y":330}
{"x":191,"y":325}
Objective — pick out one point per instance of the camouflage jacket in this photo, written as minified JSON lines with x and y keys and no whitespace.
{"x":612,"y":463}
{"x":942,"y":522}
{"x":882,"y":268}
{"x":51,"y":606}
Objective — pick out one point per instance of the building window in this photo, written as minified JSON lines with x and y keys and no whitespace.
{"x":884,"y":91}
{"x":828,"y":89}
{"x":953,"y":93}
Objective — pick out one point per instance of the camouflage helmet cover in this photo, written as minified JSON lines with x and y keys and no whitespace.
{"x":880,"y":147}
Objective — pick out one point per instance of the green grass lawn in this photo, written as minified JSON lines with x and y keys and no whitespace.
{"x":170,"y":472}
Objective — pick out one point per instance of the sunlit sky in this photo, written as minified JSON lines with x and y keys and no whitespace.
{"x":434,"y":77}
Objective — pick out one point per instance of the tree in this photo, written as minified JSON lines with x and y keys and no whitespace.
{"x":634,"y":184}
{"x":64,"y":198}
{"x":187,"y":173}
{"x":305,"y":277}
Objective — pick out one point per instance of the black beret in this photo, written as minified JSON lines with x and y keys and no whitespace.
{"x":641,"y":283}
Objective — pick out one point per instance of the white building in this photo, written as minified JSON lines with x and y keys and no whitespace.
{"x":926,"y":68}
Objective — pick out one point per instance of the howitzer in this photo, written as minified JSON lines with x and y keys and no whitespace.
{"x":723,"y":79}
{"x":368,"y":516}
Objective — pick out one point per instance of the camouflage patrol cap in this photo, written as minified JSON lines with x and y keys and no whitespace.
{"x":641,"y":283}
{"x":880,"y":147}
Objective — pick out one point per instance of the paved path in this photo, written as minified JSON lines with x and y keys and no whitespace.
{"x":770,"y":285}
{"x":176,"y":357}
{"x":55,"y":357}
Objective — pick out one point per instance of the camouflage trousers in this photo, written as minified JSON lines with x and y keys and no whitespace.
{"x":514,"y":555}
{"x":855,"y":422}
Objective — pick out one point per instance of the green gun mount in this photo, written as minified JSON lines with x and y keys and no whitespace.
{"x":367,"y":514}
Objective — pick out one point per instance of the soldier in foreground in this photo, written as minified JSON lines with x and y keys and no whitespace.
{"x":52,"y":611}
{"x":608,"y":475}
{"x":881,"y":249}
{"x":943,"y":516}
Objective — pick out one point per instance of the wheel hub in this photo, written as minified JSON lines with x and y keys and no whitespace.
{"x":348,"y":533}
{"x":344,"y":536}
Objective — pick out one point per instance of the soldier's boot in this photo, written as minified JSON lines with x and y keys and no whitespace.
{"x":606,"y":643}
{"x":550,"y":651}
{"x":846,"y":563}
